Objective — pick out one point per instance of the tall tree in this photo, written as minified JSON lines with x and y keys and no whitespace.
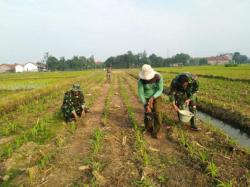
{"x":52,"y":63}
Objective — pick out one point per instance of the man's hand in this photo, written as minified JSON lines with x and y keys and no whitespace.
{"x":75,"y":115}
{"x":83,"y":112}
{"x":151,"y":102}
{"x":175,"y":107}
{"x":187,"y":102}
{"x":148,"y":109}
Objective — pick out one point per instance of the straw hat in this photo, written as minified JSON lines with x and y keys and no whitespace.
{"x":147,"y":72}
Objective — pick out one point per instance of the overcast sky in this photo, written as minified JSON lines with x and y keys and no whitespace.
{"x":104,"y":28}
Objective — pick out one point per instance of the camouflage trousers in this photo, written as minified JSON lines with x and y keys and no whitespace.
{"x":67,"y":113}
{"x":108,"y":77}
{"x":180,"y":99}
{"x":153,"y":120}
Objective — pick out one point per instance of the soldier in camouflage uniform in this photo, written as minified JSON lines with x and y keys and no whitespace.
{"x":73,"y":103}
{"x":108,"y":74}
{"x":183,"y":90}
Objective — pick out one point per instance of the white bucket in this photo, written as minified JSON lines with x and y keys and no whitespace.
{"x":185,"y":115}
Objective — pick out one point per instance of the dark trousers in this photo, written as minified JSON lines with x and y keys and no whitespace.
{"x":153,"y":120}
{"x":69,"y":116}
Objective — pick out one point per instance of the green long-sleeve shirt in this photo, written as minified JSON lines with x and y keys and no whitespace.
{"x":151,"y":88}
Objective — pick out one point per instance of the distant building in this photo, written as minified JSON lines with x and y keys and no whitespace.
{"x":19,"y":68}
{"x":219,"y":60}
{"x":41,"y":66}
{"x":98,"y":62}
{"x":30,"y":67}
{"x":229,"y":55}
{"x":176,"y":64}
{"x":7,"y":68}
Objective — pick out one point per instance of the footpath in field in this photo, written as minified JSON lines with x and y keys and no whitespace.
{"x":117,"y":155}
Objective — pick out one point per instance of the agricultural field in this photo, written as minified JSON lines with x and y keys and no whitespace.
{"x":108,"y":146}
{"x":238,"y":73}
{"x":219,"y":95}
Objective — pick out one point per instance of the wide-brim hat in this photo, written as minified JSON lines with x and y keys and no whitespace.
{"x":147,"y":72}
{"x":76,"y":88}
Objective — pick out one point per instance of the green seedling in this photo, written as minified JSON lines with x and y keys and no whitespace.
{"x":162,"y":179}
{"x":203,"y":156}
{"x":96,"y":140}
{"x":212,"y":169}
{"x":224,"y":184}
{"x":183,"y":139}
{"x":72,"y":127}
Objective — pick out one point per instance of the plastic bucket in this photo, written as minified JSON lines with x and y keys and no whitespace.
{"x":185,"y":115}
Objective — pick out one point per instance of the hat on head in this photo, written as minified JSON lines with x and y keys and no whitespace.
{"x":147,"y":72}
{"x":76,"y":88}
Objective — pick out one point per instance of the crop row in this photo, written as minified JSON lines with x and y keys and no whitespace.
{"x":48,"y":130}
{"x":38,"y":132}
{"x":12,"y":101}
{"x":240,"y":73}
{"x":12,"y":122}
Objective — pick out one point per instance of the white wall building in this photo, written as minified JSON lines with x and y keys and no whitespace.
{"x":19,"y":68}
{"x":6,"y":68}
{"x":30,"y":67}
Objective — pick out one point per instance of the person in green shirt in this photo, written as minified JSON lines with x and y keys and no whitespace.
{"x":183,"y":94}
{"x":150,"y":88}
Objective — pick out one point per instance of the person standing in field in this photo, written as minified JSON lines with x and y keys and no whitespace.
{"x":150,"y":88}
{"x":73,"y":105}
{"x":108,"y":73}
{"x":183,"y":94}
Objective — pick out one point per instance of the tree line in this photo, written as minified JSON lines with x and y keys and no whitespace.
{"x":130,"y":60}
{"x":73,"y":64}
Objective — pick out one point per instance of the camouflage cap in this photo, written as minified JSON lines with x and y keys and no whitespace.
{"x":76,"y":88}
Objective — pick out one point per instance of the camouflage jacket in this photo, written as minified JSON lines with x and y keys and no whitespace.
{"x":109,"y":70}
{"x":72,"y":102}
{"x":190,"y":91}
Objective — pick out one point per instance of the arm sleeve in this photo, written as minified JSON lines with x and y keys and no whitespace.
{"x":172,"y":92}
{"x":160,"y":90}
{"x":141,"y":92}
{"x":82,"y":98}
{"x":68,"y":102}
{"x":195,"y":88}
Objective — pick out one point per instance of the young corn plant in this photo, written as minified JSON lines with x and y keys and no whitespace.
{"x":72,"y":126}
{"x":183,"y":139}
{"x":203,"y":156}
{"x":224,"y":184}
{"x":212,"y":169}
{"x":46,"y":159}
{"x":96,"y":140}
